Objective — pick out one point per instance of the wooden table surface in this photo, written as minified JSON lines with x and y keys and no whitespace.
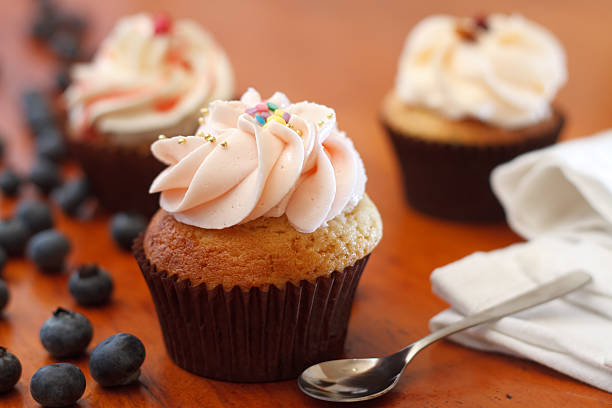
{"x":342,"y":54}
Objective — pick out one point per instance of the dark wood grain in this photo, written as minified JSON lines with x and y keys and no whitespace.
{"x":342,"y":54}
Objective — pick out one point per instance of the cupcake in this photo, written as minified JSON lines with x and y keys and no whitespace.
{"x":471,"y":94}
{"x":263,"y":233}
{"x":151,"y":76}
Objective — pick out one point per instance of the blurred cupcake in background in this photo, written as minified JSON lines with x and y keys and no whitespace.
{"x":263,"y":233}
{"x":470,"y":94}
{"x":151,"y":76}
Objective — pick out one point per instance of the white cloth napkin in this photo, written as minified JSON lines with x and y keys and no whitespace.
{"x":560,"y":199}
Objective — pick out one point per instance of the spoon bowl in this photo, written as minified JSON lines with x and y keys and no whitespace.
{"x":351,"y":380}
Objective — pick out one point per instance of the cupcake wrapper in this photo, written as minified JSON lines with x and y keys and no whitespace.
{"x":452,"y":180}
{"x":119,"y":177}
{"x":254,"y":335}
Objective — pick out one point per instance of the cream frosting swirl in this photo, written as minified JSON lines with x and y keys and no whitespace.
{"x":150,"y":75}
{"x":503,"y":70}
{"x":235,"y":170}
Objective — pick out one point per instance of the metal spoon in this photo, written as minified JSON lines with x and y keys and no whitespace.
{"x":360,"y":379}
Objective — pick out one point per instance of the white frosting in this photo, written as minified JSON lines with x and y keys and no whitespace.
{"x":142,"y":83}
{"x":506,"y":75}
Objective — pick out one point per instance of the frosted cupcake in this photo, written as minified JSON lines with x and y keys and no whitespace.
{"x":471,"y":94}
{"x":151,"y":76}
{"x":263,"y":233}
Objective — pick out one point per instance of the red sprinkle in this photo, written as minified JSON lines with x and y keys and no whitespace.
{"x":162,"y":23}
{"x":481,"y":21}
{"x":261,"y":107}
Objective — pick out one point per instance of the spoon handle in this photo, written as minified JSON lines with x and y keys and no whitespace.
{"x":554,"y":289}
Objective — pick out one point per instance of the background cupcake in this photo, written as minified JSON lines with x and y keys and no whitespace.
{"x":471,"y":94}
{"x":151,"y":76}
{"x":254,"y":258}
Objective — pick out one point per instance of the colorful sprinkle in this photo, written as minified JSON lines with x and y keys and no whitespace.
{"x":274,"y":118}
{"x":181,"y":140}
{"x":268,"y":112}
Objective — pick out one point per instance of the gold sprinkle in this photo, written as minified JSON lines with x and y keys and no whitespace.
{"x":181,"y":140}
{"x":204,"y":111}
{"x":201,"y":121}
{"x":161,"y":137}
{"x":321,"y":123}
{"x":224,"y":144}
{"x":212,"y":139}
{"x":208,"y":136}
{"x":330,"y":115}
{"x":299,"y":132}
{"x":200,"y":134}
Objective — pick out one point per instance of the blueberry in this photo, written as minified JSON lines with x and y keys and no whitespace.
{"x":71,"y":195}
{"x":50,"y":146}
{"x":48,"y":250}
{"x":90,"y":285}
{"x":14,"y":234}
{"x":42,"y":28}
{"x":3,"y":258}
{"x":38,"y":111}
{"x":72,"y":23}
{"x":4,"y":295}
{"x":66,"y":334}
{"x":45,"y":21}
{"x":57,"y":385}
{"x":65,"y":44}
{"x":117,"y":360}
{"x":126,"y":227}
{"x":45,"y":175}
{"x":10,"y":370}
{"x":9,"y":183}
{"x":35,"y":214}
{"x":50,"y":131}
{"x":62,"y":79}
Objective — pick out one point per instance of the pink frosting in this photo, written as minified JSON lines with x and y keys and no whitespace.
{"x":235,"y":170}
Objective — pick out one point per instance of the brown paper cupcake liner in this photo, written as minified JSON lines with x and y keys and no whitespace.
{"x":452,"y":180}
{"x":256,"y":335}
{"x":119,"y":177}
